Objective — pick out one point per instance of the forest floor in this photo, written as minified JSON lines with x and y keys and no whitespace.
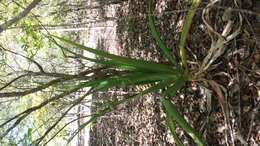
{"x":234,"y":76}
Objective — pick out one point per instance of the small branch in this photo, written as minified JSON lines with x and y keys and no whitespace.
{"x":21,"y":116}
{"x":50,"y":83}
{"x":28,"y":58}
{"x":76,"y":102}
{"x":13,"y":80}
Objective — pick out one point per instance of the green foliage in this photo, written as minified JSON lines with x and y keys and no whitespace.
{"x":27,"y":139}
{"x":32,"y":40}
{"x":8,"y":10}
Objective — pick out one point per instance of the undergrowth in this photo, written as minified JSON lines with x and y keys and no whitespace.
{"x":165,"y":79}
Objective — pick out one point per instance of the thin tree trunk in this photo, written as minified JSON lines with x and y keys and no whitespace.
{"x":21,"y":15}
{"x":81,"y":135}
{"x":81,"y":110}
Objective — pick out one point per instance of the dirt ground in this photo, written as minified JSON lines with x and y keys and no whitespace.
{"x":236,"y":72}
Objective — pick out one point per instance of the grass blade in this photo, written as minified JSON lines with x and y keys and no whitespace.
{"x":118,"y":60}
{"x":156,"y":35}
{"x":171,"y":91}
{"x":129,"y":79}
{"x":171,"y":125}
{"x":185,"y":32}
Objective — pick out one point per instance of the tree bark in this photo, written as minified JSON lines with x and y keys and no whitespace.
{"x":21,"y":15}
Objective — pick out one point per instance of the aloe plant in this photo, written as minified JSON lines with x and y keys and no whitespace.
{"x":164,"y":78}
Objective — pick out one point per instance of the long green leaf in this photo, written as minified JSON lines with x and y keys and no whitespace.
{"x":130,"y":79}
{"x":185,"y":32}
{"x":107,"y":63}
{"x":173,"y":113}
{"x":171,"y":91}
{"x":141,"y":64}
{"x":171,"y":125}
{"x":151,"y":21}
{"x":129,"y":67}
